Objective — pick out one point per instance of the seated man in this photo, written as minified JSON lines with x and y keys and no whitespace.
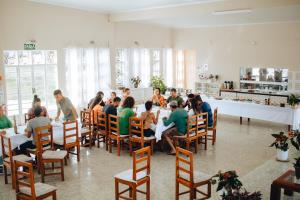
{"x":111,"y":109}
{"x":175,"y":97}
{"x":188,"y":101}
{"x":149,"y":119}
{"x":65,"y":105}
{"x":32,"y":124}
{"x":205,"y":107}
{"x":179,"y":118}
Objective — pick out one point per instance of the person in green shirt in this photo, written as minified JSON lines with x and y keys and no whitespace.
{"x":125,"y":114}
{"x":179,"y":118}
{"x":4,"y":121}
{"x":174,"y":97}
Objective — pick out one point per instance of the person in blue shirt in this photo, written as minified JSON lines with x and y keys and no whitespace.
{"x":204,"y":107}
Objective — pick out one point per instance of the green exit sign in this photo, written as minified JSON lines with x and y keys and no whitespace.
{"x":29,"y":46}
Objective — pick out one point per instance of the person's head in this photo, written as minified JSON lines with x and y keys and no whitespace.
{"x":157,"y":91}
{"x":148,"y":105}
{"x":195,"y":105}
{"x":190,"y":97}
{"x":126,"y":92}
{"x":58,"y":95}
{"x":37,"y":111}
{"x":100,"y":94}
{"x":128,"y":102}
{"x":97,"y":100}
{"x":37,"y":102}
{"x":116,"y":101}
{"x":113,"y":95}
{"x":173,"y":92}
{"x":2,"y":110}
{"x":173,"y":105}
{"x":198,"y":99}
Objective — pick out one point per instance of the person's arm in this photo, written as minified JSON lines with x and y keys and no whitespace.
{"x":171,"y":119}
{"x":155,"y":119}
{"x":28,"y":130}
{"x":58,"y":112}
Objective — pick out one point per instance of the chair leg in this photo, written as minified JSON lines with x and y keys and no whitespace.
{"x":214,"y":136}
{"x":152,"y":146}
{"x":13,"y":177}
{"x":196,"y":146}
{"x":188,"y":145}
{"x":177,"y":191}
{"x":209,"y":190}
{"x":42,"y":168}
{"x":191,"y":194}
{"x":130,"y":147}
{"x":119,"y":146}
{"x":106,"y":142}
{"x":62,"y":170}
{"x":148,"y":190}
{"x":116,"y":189}
{"x":90,"y":140}
{"x":110,"y":145}
{"x":54,"y":196}
{"x":5,"y":175}
{"x":134,"y":192}
{"x":78,"y":152}
{"x":98,"y":140}
{"x":205,"y":140}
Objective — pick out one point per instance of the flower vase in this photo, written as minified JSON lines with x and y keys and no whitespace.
{"x":282,"y":155}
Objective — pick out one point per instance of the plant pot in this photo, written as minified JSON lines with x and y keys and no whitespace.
{"x":282,"y":155}
{"x":297,"y":172}
{"x":136,"y":85}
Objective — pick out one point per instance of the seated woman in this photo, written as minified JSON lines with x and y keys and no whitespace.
{"x":113,"y":95}
{"x":4,"y":121}
{"x":96,"y":107}
{"x":157,"y":98}
{"x":201,"y":106}
{"x":99,"y":94}
{"x":125,"y":114}
{"x":32,"y":124}
{"x":149,"y":119}
{"x":36,"y":102}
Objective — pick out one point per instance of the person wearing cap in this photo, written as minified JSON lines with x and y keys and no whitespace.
{"x":174,"y":97}
{"x":179,"y":118}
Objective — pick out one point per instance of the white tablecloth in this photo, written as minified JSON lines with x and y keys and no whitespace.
{"x":283,"y":115}
{"x":160,"y":127}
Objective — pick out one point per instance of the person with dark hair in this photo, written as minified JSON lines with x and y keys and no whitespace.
{"x":200,"y":106}
{"x":37,"y":102}
{"x":175,"y":97}
{"x":125,"y":114}
{"x":112,"y":109}
{"x":64,"y":105}
{"x":179,"y":118}
{"x":113,"y":95}
{"x":149,"y":119}
{"x":157,"y":98}
{"x":188,"y":101}
{"x":98,"y":96}
{"x":96,"y":106}
{"x":126,"y":93}
{"x":32,"y":124}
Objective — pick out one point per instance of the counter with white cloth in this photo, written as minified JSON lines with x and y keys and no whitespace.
{"x":282,"y":115}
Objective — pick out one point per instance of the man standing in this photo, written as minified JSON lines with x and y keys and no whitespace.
{"x":175,"y":97}
{"x":179,"y":118}
{"x":65,"y":105}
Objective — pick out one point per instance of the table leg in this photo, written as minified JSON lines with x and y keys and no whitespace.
{"x":248,"y":120}
{"x":275,"y":192}
{"x":241,"y":120}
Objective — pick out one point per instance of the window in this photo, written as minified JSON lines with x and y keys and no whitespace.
{"x":156,"y":62}
{"x":180,"y":69}
{"x":87,"y":72}
{"x":122,"y":67}
{"x":28,"y":73}
{"x":168,"y":67}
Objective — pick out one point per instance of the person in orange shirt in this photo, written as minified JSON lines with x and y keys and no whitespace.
{"x":96,"y":107}
{"x":157,"y":98}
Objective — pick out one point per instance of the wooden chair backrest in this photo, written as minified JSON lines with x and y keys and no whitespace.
{"x":215,"y":117}
{"x":184,"y":165}
{"x":44,"y":137}
{"x":191,"y":125}
{"x":26,"y":174}
{"x":86,"y":118}
{"x":141,"y":162}
{"x":202,"y":122}
{"x":102,"y":121}
{"x":113,"y":124}
{"x":71,"y":135}
{"x":6,"y":148}
{"x":136,"y":127}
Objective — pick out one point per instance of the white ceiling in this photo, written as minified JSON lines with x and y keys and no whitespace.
{"x":189,"y":13}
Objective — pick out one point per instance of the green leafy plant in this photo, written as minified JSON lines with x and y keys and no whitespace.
{"x":293,"y":100}
{"x":136,"y":81}
{"x":232,"y":187}
{"x":297,"y":163}
{"x":281,"y":141}
{"x":295,"y":139}
{"x":158,"y":82}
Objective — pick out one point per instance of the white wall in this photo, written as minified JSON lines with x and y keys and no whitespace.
{"x":226,"y":49}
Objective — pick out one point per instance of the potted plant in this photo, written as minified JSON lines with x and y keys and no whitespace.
{"x":136,"y":81}
{"x":282,"y":146}
{"x":158,"y":82}
{"x":293,"y":100}
{"x":231,"y":187}
{"x":297,"y":167}
{"x":295,"y":140}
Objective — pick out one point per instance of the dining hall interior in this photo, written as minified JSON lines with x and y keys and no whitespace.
{"x":150,"y":99}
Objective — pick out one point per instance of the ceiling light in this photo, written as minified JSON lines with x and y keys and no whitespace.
{"x":230,"y":12}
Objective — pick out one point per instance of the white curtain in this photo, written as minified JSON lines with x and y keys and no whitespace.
{"x":87,"y":72}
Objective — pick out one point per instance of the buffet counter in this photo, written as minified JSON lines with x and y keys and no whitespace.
{"x":283,"y":115}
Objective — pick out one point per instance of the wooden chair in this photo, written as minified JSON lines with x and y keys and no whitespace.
{"x":86,"y":129}
{"x":70,"y":139}
{"x":133,"y":178}
{"x":213,"y":129}
{"x":191,"y":134}
{"x":114,"y":133}
{"x":186,"y":176}
{"x":136,"y":134}
{"x":9,"y":158}
{"x":26,"y":188}
{"x":202,"y":124}
{"x":45,"y":138}
{"x":101,"y":132}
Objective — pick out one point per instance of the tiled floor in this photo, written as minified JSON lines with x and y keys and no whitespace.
{"x":243,"y":148}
